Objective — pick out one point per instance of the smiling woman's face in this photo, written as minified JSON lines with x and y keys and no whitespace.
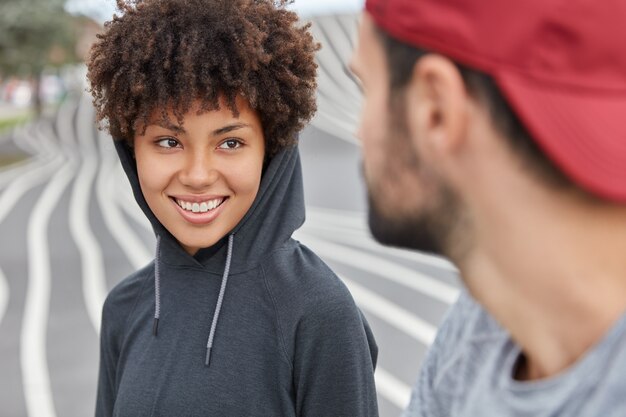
{"x":201,"y":178}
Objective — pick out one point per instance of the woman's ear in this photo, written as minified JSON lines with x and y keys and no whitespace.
{"x":437,"y":105}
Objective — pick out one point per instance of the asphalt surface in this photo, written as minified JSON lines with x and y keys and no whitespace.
{"x":70,"y":230}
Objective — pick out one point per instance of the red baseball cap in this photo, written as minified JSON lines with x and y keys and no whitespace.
{"x":561,"y":64}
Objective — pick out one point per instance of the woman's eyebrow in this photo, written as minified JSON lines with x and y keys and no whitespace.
{"x":217,"y":132}
{"x":230,"y":128}
{"x":169,"y":126}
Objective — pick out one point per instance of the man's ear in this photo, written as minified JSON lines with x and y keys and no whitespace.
{"x":437,"y":100}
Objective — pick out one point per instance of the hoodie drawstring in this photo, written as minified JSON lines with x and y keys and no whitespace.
{"x":157,"y":287}
{"x":220,"y":298}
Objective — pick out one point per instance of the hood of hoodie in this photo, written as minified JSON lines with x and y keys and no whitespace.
{"x":277,"y":211}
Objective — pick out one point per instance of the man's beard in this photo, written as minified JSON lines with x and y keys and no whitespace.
{"x":429,"y":227}
{"x":426,"y":230}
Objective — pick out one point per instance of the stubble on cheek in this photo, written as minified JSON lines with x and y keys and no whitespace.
{"x":404,"y":196}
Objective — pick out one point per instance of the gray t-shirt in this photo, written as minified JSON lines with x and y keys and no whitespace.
{"x":468,"y":373}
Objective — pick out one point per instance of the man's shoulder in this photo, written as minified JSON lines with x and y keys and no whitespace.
{"x":467,"y":333}
{"x":609,"y":363}
{"x":467,"y":322}
{"x":466,"y":340}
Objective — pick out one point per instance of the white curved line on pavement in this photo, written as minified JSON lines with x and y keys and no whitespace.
{"x":92,"y":265}
{"x":335,"y":127}
{"x":4,"y":294}
{"x":389,"y":312}
{"x":132,"y":247}
{"x":17,"y":188}
{"x":342,"y":29}
{"x":65,"y":122}
{"x":383,"y":268}
{"x":341,"y":91}
{"x":47,"y":161}
{"x":13,"y":171}
{"x":333,"y":58}
{"x":40,"y":170}
{"x":35,"y":374}
{"x":42,"y":138}
{"x":9,"y":173}
{"x":27,"y":137}
{"x":47,"y":139}
{"x":392,"y":389}
{"x":21,"y":137}
{"x":38,"y":138}
{"x":339,"y":101}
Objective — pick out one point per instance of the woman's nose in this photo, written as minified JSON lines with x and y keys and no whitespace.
{"x":199,"y":171}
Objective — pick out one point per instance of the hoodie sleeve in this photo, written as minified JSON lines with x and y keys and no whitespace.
{"x":334,"y":358}
{"x":117,"y":308}
{"x":109,"y":353}
{"x":327,"y":342}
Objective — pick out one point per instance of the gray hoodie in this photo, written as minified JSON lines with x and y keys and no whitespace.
{"x":285,"y":336}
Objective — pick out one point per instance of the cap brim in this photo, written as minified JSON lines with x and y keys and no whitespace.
{"x":582,"y":131}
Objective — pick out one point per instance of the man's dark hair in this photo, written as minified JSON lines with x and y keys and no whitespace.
{"x":401,"y":59}
{"x":158,"y":55}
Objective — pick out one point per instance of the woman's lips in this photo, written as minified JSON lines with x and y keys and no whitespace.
{"x":195,"y":213}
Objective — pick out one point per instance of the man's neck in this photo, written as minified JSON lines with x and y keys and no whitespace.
{"x":557,"y":284}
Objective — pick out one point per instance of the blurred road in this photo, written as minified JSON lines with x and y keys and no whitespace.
{"x":70,"y":230}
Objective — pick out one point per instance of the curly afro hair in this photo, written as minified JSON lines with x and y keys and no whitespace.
{"x":158,"y":55}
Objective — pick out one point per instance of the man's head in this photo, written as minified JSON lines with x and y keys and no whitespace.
{"x":459,"y":94}
{"x":161,"y":56}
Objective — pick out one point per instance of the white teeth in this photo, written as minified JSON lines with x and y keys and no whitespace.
{"x":202,"y":207}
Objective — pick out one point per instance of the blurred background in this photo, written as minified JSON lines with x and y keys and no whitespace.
{"x":70,"y":230}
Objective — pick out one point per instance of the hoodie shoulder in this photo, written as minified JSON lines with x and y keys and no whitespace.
{"x":308,"y":297}
{"x":121,"y":300}
{"x":302,"y":282}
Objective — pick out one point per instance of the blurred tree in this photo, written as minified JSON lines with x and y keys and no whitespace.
{"x":34,"y":35}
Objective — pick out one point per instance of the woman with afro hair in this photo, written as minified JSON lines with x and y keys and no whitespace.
{"x":204,"y":100}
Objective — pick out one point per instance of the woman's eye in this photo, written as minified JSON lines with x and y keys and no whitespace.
{"x":168,"y":143}
{"x":230,"y":144}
